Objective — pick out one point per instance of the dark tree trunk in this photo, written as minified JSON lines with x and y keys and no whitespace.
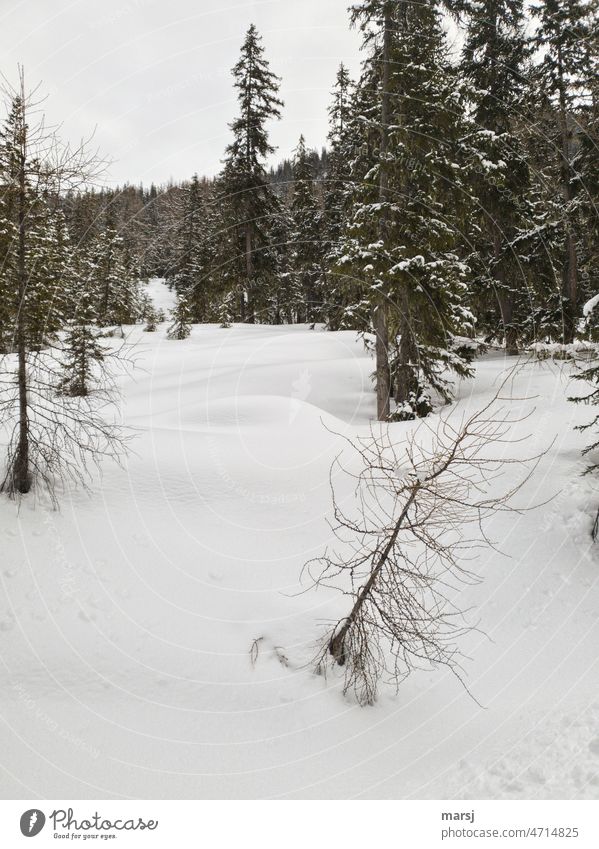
{"x":21,"y":477}
{"x":407,"y":354}
{"x":337,"y":642}
{"x":249,"y":272}
{"x":383,"y":372}
{"x":570,"y":268}
{"x":505,"y":296}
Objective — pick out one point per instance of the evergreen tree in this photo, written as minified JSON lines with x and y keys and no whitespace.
{"x":189,"y":270}
{"x":19,"y":174}
{"x":404,"y":238}
{"x":285,"y":291}
{"x":306,"y":237}
{"x":117,"y":282}
{"x":563,"y":31}
{"x":226,"y":311}
{"x":82,"y":348}
{"x":151,"y":316}
{"x":51,"y":270}
{"x":586,"y":179}
{"x":48,"y":439}
{"x":341,"y":145}
{"x":181,"y":325}
{"x":250,"y":201}
{"x":342,"y":140}
{"x":495,"y":61}
{"x":43,"y":253}
{"x":8,"y":250}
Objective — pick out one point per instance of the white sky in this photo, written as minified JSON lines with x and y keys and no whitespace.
{"x":153,"y":76}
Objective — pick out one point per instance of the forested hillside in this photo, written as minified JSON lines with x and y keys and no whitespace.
{"x":455,"y":203}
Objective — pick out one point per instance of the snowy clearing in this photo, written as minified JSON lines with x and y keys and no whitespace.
{"x":155,"y":641}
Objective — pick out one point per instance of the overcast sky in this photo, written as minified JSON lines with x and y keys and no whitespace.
{"x":153,"y":76}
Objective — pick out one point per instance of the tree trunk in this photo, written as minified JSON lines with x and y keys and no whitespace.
{"x":249,"y":271}
{"x":505,"y":297}
{"x":570,"y":287}
{"x":337,"y":642}
{"x":407,"y":355}
{"x":21,"y":478}
{"x":383,"y":372}
{"x":570,"y":267}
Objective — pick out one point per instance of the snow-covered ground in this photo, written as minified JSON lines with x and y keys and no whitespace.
{"x":127,"y":619}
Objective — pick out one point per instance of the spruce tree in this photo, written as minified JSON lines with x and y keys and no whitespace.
{"x":8,"y":253}
{"x":181,"y":315}
{"x":82,"y":349}
{"x":495,"y":61}
{"x":404,"y":238}
{"x":187,"y":278}
{"x":250,"y":201}
{"x":563,"y":31}
{"x":19,"y":174}
{"x":50,"y":439}
{"x":342,"y":138}
{"x":341,"y":147}
{"x":117,"y":279}
{"x":286,"y":297}
{"x":586,"y":179}
{"x":51,"y":269}
{"x":306,"y":257}
{"x":379,"y":21}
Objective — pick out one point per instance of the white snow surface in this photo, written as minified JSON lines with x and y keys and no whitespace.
{"x":127,"y":619}
{"x":590,"y":306}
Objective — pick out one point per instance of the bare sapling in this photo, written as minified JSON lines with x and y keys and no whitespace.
{"x":406,"y":543}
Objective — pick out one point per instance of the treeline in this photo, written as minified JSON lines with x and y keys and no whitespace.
{"x":456,"y":202}
{"x":457,"y":197}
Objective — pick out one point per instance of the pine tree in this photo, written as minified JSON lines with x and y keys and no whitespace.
{"x":307,"y":260}
{"x":82,"y":348}
{"x":586,"y":179}
{"x":117,"y":280}
{"x":285,"y":290}
{"x":251,"y":203}
{"x":47,"y":257}
{"x":19,"y":171}
{"x":562,"y":33}
{"x":50,"y":262}
{"x":341,"y":145}
{"x":404,"y":238}
{"x":206,"y":258}
{"x":225,"y":311}
{"x":181,"y":325}
{"x":495,"y":60}
{"x":342,"y":138}
{"x":379,"y":21}
{"x":351,"y":290}
{"x":49,"y":438}
{"x":189,"y":270}
{"x":8,"y":251}
{"x":151,"y":316}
